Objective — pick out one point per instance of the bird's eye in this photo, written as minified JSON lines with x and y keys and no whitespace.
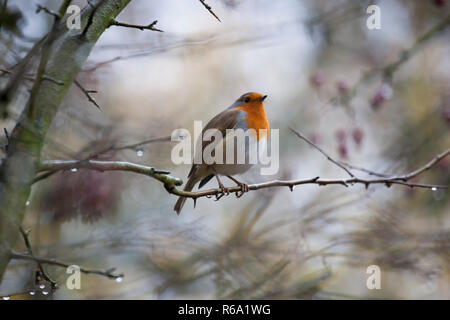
{"x":247,"y":100}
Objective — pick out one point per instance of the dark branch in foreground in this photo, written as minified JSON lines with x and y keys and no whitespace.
{"x":48,"y":11}
{"x":41,"y":271}
{"x":151,"y":26}
{"x":87,"y":93}
{"x":208,"y":7}
{"x":106,"y":273}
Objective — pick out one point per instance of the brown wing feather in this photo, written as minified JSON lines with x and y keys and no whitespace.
{"x":227,"y":119}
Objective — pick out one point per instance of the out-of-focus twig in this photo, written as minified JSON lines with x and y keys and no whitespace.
{"x":58,"y":165}
{"x":133,"y":146}
{"x":301,"y":136}
{"x":8,"y":140}
{"x":87,"y":93}
{"x":420,"y":41}
{"x":388,"y":70}
{"x":208,"y":7}
{"x":370,"y":172}
{"x":109,"y":273}
{"x":48,"y":11}
{"x":41,"y":271}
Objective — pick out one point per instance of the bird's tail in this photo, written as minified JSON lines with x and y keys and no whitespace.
{"x":181,"y":200}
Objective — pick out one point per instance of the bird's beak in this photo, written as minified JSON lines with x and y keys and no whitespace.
{"x":263,"y":97}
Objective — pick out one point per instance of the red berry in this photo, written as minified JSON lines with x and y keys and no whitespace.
{"x":341,"y":136}
{"x":317,"y":79}
{"x":357,"y":135}
{"x":342,"y":86}
{"x":446,"y":114}
{"x":382,"y":94}
{"x":343,"y":151}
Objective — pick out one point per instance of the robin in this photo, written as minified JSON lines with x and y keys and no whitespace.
{"x":246,"y":113}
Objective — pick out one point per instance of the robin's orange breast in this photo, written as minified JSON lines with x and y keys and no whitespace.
{"x":256,"y":118}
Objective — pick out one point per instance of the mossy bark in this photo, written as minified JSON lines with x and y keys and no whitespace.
{"x":69,"y":51}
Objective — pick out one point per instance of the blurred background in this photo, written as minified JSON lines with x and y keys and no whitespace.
{"x":326,"y":75}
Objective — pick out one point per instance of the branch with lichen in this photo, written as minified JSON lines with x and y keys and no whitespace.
{"x":171,"y":183}
{"x":59,"y":49}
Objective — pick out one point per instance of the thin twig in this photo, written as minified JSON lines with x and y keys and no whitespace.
{"x":47,"y":10}
{"x":301,"y":136}
{"x":8,"y":141}
{"x":106,"y":273}
{"x":161,"y":175}
{"x":24,"y":233}
{"x":87,"y":93}
{"x":151,"y":26}
{"x":208,"y":7}
{"x":8,"y":91}
{"x":134,"y":146}
{"x":426,"y":167}
{"x":31,"y":78}
{"x":370,"y":172}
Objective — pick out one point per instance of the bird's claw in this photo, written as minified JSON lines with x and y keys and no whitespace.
{"x":244,"y":189}
{"x":223,"y":192}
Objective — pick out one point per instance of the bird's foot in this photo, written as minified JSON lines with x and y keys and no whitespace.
{"x":244,"y":189}
{"x":223,"y":192}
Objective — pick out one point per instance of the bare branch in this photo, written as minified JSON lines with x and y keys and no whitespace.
{"x":301,"y":136}
{"x":8,"y":139}
{"x":160,"y":175}
{"x":426,"y":167}
{"x":41,"y":270}
{"x":48,"y":11}
{"x":106,"y":273}
{"x":170,"y":183}
{"x":370,"y":172}
{"x":87,"y":93}
{"x":151,"y":26}
{"x":208,"y":7}
{"x":134,"y":146}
